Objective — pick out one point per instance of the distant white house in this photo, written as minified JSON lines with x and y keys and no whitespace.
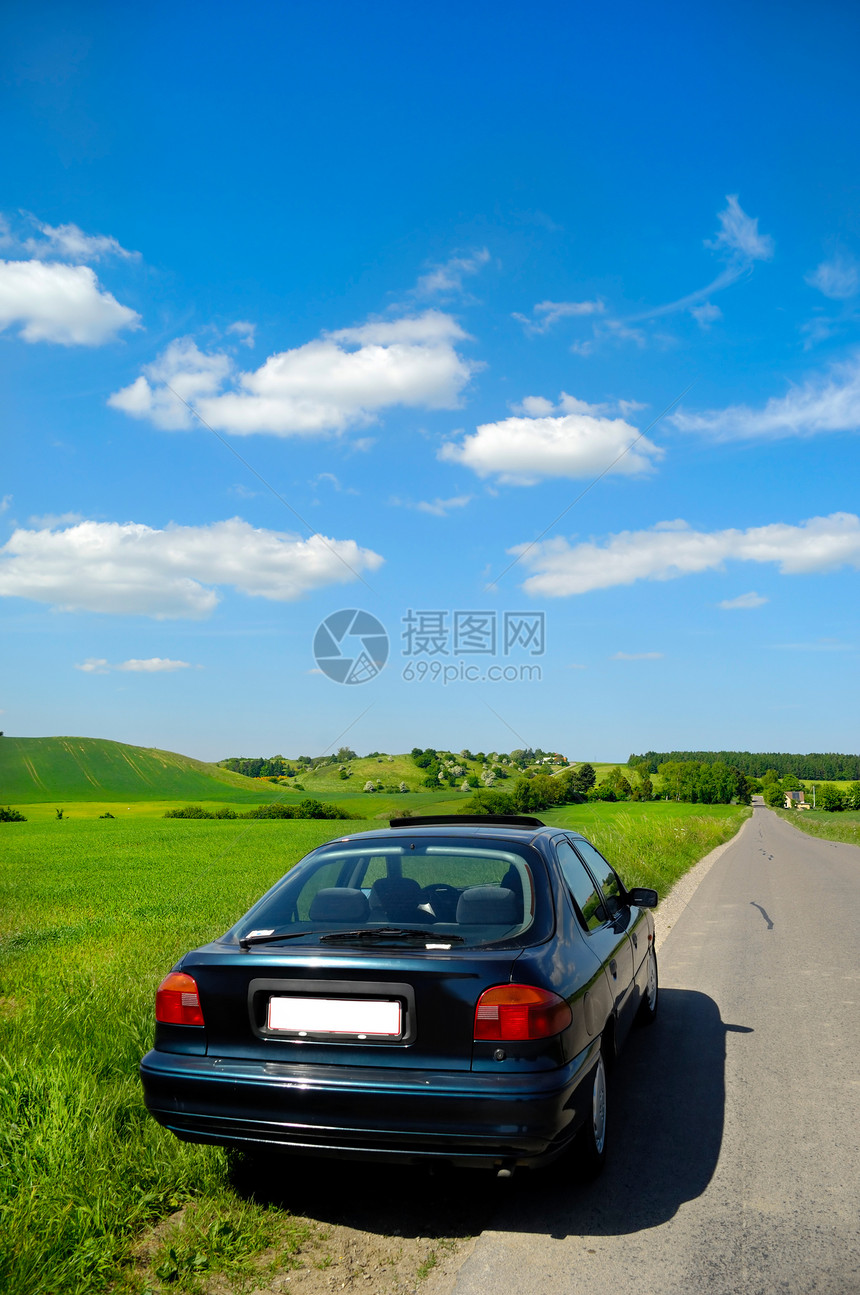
{"x":796,"y":800}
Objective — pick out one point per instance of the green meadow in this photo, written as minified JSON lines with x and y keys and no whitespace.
{"x":94,"y":913}
{"x":842,"y":826}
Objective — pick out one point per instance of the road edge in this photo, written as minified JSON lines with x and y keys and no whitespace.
{"x":672,"y":906}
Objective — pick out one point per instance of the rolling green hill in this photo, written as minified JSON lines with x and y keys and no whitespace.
{"x":38,"y":769}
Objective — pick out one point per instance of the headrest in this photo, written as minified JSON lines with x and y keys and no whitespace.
{"x":489,"y":906}
{"x":339,"y":904}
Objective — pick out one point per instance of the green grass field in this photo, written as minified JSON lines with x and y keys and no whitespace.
{"x":52,"y":769}
{"x":94,"y":913}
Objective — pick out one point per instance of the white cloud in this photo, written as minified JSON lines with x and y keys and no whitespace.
{"x":191,"y":373}
{"x":824,"y":403}
{"x":60,"y":303}
{"x":547,"y":313}
{"x":342,"y":380}
{"x":245,"y":330}
{"x":132,"y":569}
{"x":706,"y":314}
{"x":445,"y":279}
{"x":49,"y":521}
{"x":561,"y":569}
{"x":94,"y":665}
{"x":5,"y":503}
{"x":743,"y":602}
{"x":636,"y":656}
{"x":329,"y":479}
{"x":70,"y":243}
{"x":838,"y":278}
{"x":740,"y":244}
{"x":738,"y":234}
{"x":575,"y":440}
{"x":435,"y":507}
{"x":152,"y":665}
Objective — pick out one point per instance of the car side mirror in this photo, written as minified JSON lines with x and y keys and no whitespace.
{"x":643,"y":897}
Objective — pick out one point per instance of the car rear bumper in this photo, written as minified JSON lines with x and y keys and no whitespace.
{"x":459,"y":1117}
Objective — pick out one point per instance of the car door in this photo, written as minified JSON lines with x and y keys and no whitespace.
{"x":624,"y":928}
{"x":606,"y":936}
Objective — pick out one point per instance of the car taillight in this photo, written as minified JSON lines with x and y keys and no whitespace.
{"x":520,"y":1012}
{"x":177,"y":1001}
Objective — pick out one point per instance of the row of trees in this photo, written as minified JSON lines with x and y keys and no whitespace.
{"x":830,"y":765}
{"x":700,"y":782}
{"x":278,"y":766}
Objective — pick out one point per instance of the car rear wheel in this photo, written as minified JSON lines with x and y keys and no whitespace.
{"x":647,"y":1013}
{"x":592,"y":1139}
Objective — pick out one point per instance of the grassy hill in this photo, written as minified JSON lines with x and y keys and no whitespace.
{"x":40,"y":769}
{"x":52,"y":770}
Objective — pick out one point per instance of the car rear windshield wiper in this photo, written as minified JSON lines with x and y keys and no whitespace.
{"x":270,"y":937}
{"x":422,"y":933}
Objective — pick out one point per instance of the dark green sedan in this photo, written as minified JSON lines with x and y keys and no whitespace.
{"x":445,"y":989}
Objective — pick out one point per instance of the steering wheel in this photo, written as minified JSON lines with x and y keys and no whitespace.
{"x":443,"y":899}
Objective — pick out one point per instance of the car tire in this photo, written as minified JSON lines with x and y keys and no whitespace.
{"x":647,"y":1013}
{"x":592,"y":1138}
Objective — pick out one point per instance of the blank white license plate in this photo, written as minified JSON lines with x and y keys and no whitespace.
{"x":355,"y":1016}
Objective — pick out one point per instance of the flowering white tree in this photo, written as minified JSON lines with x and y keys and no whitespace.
{"x":369,"y":786}
{"x":403,"y":787}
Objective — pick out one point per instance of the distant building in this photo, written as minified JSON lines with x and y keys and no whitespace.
{"x":795,"y":800}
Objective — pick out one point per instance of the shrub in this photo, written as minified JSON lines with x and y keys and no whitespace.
{"x":485,"y":801}
{"x":305,"y":809}
{"x":9,"y":815}
{"x":829,"y":797}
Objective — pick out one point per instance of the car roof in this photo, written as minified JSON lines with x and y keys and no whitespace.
{"x":487,"y":829}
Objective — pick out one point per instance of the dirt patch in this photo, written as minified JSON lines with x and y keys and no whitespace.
{"x":347,"y":1227}
{"x":387,"y":1231}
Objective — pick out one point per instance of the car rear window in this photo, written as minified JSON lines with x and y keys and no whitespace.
{"x":481,"y":892}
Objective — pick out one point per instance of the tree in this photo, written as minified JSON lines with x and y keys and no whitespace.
{"x":584,"y":778}
{"x":370,"y":786}
{"x":345,"y":753}
{"x":619,"y":784}
{"x":830,"y":798}
{"x":644,"y":790}
{"x":774,"y":795}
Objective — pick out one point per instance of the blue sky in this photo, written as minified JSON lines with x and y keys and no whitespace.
{"x":546,"y":314}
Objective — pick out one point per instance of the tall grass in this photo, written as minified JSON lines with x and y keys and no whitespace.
{"x":94,"y":914}
{"x":830,"y":827}
{"x":654,"y":844}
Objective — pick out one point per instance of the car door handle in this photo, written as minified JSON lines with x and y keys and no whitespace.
{"x":613,"y":967}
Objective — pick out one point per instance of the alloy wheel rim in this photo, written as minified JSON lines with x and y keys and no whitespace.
{"x":598,"y":1106}
{"x":652,"y":983}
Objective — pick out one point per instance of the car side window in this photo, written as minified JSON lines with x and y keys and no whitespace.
{"x":585,"y":894}
{"x":610,"y":887}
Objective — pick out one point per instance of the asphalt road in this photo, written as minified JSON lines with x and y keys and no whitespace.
{"x":735,"y":1152}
